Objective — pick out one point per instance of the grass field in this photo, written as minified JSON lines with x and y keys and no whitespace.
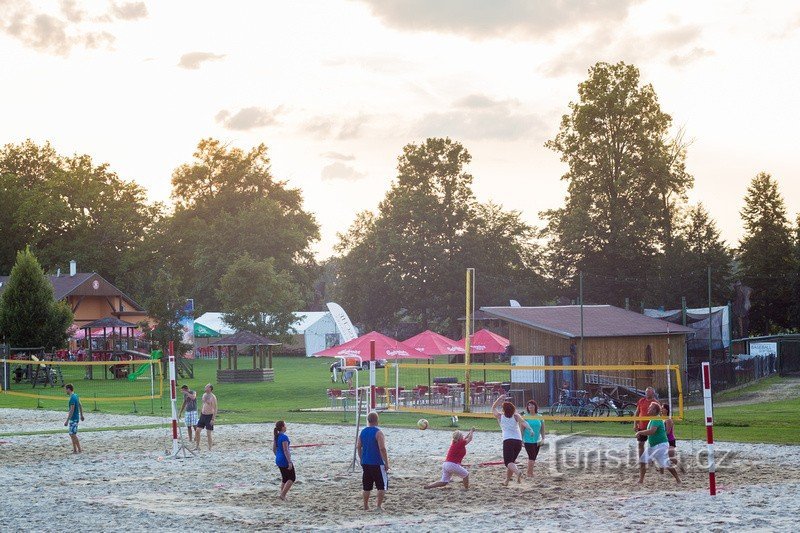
{"x":301,"y":383}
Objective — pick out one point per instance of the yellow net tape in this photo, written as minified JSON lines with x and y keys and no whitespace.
{"x":410,"y":375}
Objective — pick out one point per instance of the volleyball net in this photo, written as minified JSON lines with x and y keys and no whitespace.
{"x":591,"y":393}
{"x":105,"y":381}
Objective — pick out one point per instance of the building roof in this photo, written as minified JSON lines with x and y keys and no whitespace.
{"x":598,"y":321}
{"x":81,"y":284}
{"x":245,"y":337}
{"x":303,"y":321}
{"x":108,"y":322}
{"x":478,"y":315}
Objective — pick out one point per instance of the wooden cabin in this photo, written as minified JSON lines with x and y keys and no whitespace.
{"x":91,"y":297}
{"x":610,"y":336}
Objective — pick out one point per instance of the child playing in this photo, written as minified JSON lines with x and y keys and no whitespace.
{"x":452,"y":463}
{"x":658,"y":447}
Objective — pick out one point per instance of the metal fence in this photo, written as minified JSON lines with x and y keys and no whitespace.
{"x":728,"y":374}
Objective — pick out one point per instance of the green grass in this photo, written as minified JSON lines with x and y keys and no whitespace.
{"x":744,"y":392}
{"x":301,"y":383}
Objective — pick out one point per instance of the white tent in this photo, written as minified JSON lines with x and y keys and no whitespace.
{"x":313,"y":331}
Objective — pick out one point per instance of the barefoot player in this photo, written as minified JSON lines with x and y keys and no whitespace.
{"x":208,"y":416}
{"x":452,"y":462}
{"x":658,"y":447}
{"x":75,"y":414}
{"x":371,"y":447}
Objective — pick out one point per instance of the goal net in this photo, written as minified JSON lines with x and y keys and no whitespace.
{"x":106,"y":381}
{"x":596,"y":393}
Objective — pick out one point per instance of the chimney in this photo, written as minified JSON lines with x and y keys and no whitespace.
{"x":73,"y":268}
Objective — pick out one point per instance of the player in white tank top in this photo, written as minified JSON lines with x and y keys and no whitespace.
{"x":510,"y":428}
{"x":512,"y":436}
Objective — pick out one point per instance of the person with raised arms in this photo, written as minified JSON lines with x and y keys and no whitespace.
{"x":511,"y":424}
{"x":452,"y":462}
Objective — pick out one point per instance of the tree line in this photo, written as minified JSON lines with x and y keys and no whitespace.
{"x":238,"y":239}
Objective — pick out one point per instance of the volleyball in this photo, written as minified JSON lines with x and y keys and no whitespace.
{"x":422,"y":424}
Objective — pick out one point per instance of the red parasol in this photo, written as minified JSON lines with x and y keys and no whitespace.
{"x":385,"y":348}
{"x":484,"y":341}
{"x":431,"y":343}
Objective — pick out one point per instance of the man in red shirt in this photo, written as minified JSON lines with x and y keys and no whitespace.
{"x":452,"y":463}
{"x":642,"y":407}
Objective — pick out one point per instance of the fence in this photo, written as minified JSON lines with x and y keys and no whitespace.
{"x":729,"y":374}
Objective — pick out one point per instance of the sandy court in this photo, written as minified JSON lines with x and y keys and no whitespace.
{"x":122,"y":482}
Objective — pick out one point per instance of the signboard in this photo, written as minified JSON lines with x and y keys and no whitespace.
{"x":527,"y":376}
{"x":762,"y":349}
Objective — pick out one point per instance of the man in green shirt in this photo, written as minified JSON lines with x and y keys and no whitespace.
{"x":75,"y":414}
{"x":658,"y":446}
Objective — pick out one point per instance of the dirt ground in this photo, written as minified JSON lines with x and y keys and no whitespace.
{"x":123,"y":481}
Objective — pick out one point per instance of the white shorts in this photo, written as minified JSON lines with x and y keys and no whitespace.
{"x":452,"y":469}
{"x":659,"y":454}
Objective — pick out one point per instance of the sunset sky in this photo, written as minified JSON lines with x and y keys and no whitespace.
{"x":335,"y":88}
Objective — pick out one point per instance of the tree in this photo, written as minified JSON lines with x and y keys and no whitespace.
{"x":257,"y":297}
{"x":406,"y":262}
{"x":71,"y":208}
{"x":625,"y":178}
{"x":766,"y":255}
{"x":794,"y":311}
{"x":227,"y":204}
{"x":29,"y":314}
{"x":165,"y":307}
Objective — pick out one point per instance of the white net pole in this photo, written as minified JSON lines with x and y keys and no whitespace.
{"x":172,"y":401}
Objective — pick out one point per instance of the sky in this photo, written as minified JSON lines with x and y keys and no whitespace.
{"x":336,"y":88}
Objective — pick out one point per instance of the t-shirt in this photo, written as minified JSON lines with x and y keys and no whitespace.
{"x":533,"y":436}
{"x":191,"y":403}
{"x":76,"y":413}
{"x":280,"y":456}
{"x":641,"y":410}
{"x":660,"y":436}
{"x":457,"y":452}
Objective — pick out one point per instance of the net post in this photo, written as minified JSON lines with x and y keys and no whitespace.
{"x":172,"y":398}
{"x":372,"y":400}
{"x":709,"y":416}
{"x":467,"y":339}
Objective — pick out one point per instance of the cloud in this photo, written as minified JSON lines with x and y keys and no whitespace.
{"x":248,"y":118}
{"x":340,"y":171}
{"x":57,"y":30}
{"x":480,"y":19}
{"x":129,"y":10}
{"x":609,"y":44}
{"x":341,"y":128}
{"x":478,"y":116}
{"x":338,"y":156}
{"x":193,"y":60}
{"x":695,"y":54}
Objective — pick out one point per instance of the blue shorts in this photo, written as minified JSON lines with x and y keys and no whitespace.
{"x":190,"y":418}
{"x":73,"y":427}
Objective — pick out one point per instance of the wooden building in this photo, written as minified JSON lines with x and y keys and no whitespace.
{"x":610,"y":336}
{"x":91,"y":297}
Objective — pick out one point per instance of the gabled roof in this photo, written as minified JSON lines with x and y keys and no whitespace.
{"x":245,"y":337}
{"x":598,"y":321}
{"x":81,"y":284}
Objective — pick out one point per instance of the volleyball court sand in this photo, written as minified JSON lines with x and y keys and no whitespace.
{"x":122,"y":482}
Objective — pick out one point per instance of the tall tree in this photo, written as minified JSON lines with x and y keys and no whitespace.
{"x":228,"y":203}
{"x":624,"y":179}
{"x":165,"y":306}
{"x":258,"y":298}
{"x":766,"y":255}
{"x":406,"y":262}
{"x":29,"y":315}
{"x":70,"y":208}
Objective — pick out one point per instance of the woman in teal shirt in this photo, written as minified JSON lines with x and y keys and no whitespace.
{"x":533,"y":437}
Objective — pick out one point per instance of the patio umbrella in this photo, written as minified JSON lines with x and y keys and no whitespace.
{"x":431,"y":343}
{"x":385,"y":348}
{"x":484,"y":341}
